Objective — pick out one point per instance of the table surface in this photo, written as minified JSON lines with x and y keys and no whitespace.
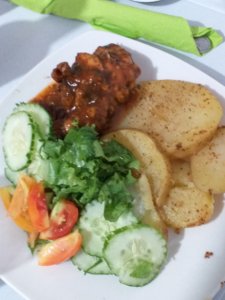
{"x":34,"y":36}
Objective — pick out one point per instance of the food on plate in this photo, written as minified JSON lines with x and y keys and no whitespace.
{"x":22,"y":220}
{"x":80,"y":172}
{"x":59,"y":250}
{"x":154,"y":163}
{"x":143,"y":242}
{"x":18,"y":144}
{"x":18,"y":205}
{"x":132,"y":251}
{"x":102,"y":191}
{"x":186,"y":205}
{"x":208,"y":165}
{"x":91,"y":264}
{"x":92,"y":89}
{"x":96,"y":228}
{"x":37,"y":206}
{"x":180,"y":116}
{"x":144,"y":206}
{"x":64,"y":216}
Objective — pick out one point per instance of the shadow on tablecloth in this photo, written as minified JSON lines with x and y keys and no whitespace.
{"x":26,"y":43}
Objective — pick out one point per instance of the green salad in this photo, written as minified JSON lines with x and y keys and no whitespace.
{"x":76,"y":193}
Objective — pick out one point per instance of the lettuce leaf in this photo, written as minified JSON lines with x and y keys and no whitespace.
{"x":83,"y":168}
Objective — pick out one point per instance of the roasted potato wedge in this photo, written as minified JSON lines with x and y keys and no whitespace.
{"x":186,"y":205}
{"x":181,"y":116}
{"x":155,"y":165}
{"x":208,"y":165}
{"x":144,"y":207}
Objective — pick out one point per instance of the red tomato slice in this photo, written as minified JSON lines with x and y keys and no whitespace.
{"x":60,"y":250}
{"x":63,"y":218}
{"x":37,"y":207}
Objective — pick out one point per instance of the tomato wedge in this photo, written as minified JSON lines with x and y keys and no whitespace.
{"x":37,"y":207}
{"x":62,"y":220}
{"x":60,"y":250}
{"x":20,"y":217}
{"x":6,"y":196}
{"x":18,"y":204}
{"x":21,"y":220}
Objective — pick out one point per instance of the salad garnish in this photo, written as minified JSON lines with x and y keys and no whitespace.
{"x":75,"y":198}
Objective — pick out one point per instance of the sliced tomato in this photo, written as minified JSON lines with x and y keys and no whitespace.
{"x":24,"y":222}
{"x":37,"y":207}
{"x":18,"y":204}
{"x":21,"y":219}
{"x":63,"y":218}
{"x":60,"y":250}
{"x":6,"y":196}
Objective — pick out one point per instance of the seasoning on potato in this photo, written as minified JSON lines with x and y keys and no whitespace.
{"x":186,"y":205}
{"x":208,"y":165}
{"x":181,"y":116}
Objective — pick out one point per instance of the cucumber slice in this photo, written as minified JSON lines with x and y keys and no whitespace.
{"x":13,"y":176}
{"x":90,"y":264}
{"x":18,"y":140}
{"x":135,"y":254}
{"x":95,"y":228}
{"x":39,"y":167}
{"x":100,"y":268}
{"x":84,"y":261}
{"x":39,"y":115}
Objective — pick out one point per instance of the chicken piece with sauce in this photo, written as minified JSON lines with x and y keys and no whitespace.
{"x":92,"y":89}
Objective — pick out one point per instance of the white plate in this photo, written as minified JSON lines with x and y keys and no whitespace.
{"x":187,"y":274}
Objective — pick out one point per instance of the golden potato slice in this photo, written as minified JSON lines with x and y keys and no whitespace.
{"x":186,"y":205}
{"x":180,"y":116}
{"x":181,"y":173}
{"x":144,"y":207}
{"x":153,"y":163}
{"x":208,"y":165}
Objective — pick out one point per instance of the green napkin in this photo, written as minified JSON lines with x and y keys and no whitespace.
{"x":132,"y":22}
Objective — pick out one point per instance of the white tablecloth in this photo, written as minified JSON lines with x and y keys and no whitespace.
{"x":26,"y":38}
